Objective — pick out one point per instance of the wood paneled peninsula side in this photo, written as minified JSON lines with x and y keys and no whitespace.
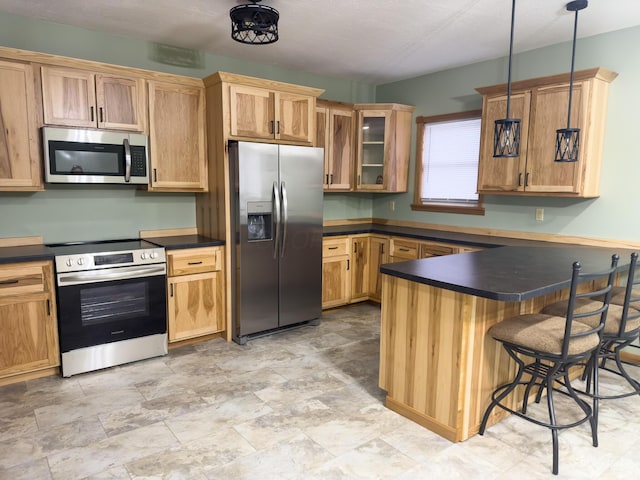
{"x":437,"y":363}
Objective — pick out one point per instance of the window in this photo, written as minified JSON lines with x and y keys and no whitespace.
{"x":447,"y":153}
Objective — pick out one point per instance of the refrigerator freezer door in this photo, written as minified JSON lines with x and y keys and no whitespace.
{"x":256,"y":264}
{"x":301,"y":170}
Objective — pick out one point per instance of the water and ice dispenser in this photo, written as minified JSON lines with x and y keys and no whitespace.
{"x":259,"y":221}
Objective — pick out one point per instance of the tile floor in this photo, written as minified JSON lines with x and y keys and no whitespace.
{"x":298,"y":405}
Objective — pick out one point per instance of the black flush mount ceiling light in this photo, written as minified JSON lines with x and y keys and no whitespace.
{"x":568,"y":139}
{"x":254,"y":24}
{"x":506,"y":134}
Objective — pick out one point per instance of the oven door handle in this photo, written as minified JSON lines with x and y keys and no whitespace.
{"x":123,"y":273}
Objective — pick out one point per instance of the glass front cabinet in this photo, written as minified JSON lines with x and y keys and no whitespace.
{"x":384,"y":143}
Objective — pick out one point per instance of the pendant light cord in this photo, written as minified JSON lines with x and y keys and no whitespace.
{"x":513,"y":15}
{"x":573,"y":58}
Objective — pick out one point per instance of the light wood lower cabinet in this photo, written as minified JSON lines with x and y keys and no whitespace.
{"x":29,"y":340}
{"x":195,"y":297}
{"x":351,"y":264}
{"x":336,"y":272}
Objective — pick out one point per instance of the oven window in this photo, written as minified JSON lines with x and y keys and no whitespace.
{"x":113,"y":302}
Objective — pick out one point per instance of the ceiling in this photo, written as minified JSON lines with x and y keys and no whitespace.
{"x":373,"y":41}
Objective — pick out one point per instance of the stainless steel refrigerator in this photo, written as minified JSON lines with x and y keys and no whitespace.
{"x":277,"y":219}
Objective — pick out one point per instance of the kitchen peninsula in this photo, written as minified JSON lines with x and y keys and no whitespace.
{"x":437,"y":364}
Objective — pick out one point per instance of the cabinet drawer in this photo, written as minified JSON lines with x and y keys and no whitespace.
{"x":404,"y":248}
{"x":194,"y":260}
{"x":335,"y":246}
{"x":18,"y":281}
{"x":436,"y":250}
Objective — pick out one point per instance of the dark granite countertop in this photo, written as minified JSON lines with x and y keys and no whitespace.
{"x":506,"y":273}
{"x":185,"y":241}
{"x":468,"y":239}
{"x":25,"y":253}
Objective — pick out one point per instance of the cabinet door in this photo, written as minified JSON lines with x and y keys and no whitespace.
{"x":360,"y":268}
{"x":503,"y":174}
{"x":251,"y":112}
{"x":378,"y":255}
{"x":68,"y":97}
{"x":20,"y":165}
{"x":294,"y":116}
{"x":322,"y":140}
{"x":373,"y":145}
{"x":336,"y":281}
{"x":177,"y":137}
{"x":195,"y":305}
{"x":549,"y":113}
{"x":121,"y":102}
{"x":341,"y":149}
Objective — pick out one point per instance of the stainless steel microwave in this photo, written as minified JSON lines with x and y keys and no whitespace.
{"x":73,"y":155}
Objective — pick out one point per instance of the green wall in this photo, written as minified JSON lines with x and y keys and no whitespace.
{"x":605,"y":217}
{"x":64,"y":213}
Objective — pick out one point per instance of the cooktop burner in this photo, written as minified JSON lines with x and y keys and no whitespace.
{"x":73,"y":248}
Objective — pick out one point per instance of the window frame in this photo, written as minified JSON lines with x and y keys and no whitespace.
{"x":443,"y":207}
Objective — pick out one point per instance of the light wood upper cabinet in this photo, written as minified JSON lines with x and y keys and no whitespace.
{"x":383,"y":146}
{"x":271,"y":115}
{"x":20,"y":164}
{"x":196,"y":292}
{"x":177,"y":145}
{"x":335,"y":132}
{"x":542,"y":104}
{"x":29,"y":340}
{"x":80,"y":98}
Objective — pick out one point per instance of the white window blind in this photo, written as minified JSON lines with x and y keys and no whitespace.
{"x":450,"y":161}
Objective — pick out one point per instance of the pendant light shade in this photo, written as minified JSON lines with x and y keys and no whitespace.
{"x":506,"y":134}
{"x":254,"y":24}
{"x":568,"y":139}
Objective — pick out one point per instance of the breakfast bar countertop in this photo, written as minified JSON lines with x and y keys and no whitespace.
{"x":506,"y":273}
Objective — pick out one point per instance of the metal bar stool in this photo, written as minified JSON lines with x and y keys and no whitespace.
{"x":551,"y":345}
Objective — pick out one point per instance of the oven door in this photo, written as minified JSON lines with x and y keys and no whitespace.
{"x":109,"y":305}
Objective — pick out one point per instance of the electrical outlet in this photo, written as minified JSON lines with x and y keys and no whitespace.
{"x":392,"y":205}
{"x":539,"y":214}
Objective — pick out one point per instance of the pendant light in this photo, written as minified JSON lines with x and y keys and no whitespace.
{"x":568,"y":139}
{"x":506,"y":134}
{"x":254,"y":24}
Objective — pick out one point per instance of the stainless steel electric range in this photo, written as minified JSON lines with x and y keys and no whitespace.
{"x":111,"y":303}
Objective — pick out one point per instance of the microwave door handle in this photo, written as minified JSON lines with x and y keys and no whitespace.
{"x":127,"y":160}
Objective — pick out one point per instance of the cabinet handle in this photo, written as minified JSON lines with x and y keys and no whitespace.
{"x":403,"y":249}
{"x":382,"y":248}
{"x":101,"y":115}
{"x":9,"y":282}
{"x":358,"y":179}
{"x":48,"y":308}
{"x":171,"y":289}
{"x":92,"y":117}
{"x":195,"y":263}
{"x":355,"y":248}
{"x":526,"y":179}
{"x":331,"y":179}
{"x":155,"y":174}
{"x":333,"y":248}
{"x":271,"y":127}
{"x":348,"y":264}
{"x":520,"y":179}
{"x":278,"y":127}
{"x":327,"y":181}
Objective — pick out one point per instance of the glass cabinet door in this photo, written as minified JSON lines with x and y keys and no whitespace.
{"x":372,"y":149}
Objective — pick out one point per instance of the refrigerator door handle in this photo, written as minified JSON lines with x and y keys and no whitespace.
{"x":285,"y":217}
{"x":276,"y":208}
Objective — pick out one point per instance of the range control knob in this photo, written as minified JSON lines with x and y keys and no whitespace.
{"x":69,"y":262}
{"x":81,"y":261}
{"x":143,"y":255}
{"x":154,"y":255}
